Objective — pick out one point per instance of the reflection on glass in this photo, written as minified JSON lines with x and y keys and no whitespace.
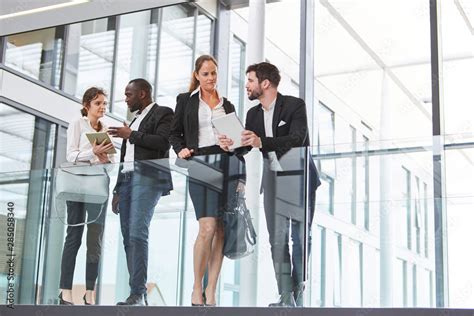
{"x":90,"y":56}
{"x":176,"y":53}
{"x":27,"y":146}
{"x":457,"y":50}
{"x":375,"y":87}
{"x":282,"y":44}
{"x":37,"y":54}
{"x":203,"y":34}
{"x":16,"y":132}
{"x":237,"y":75}
{"x":136,"y":54}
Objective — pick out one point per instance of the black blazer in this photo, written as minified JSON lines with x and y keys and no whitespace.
{"x":185,"y":126}
{"x":151,"y":142}
{"x":290,"y":129}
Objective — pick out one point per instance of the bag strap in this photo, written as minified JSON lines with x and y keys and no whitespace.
{"x":251,"y":234}
{"x":77,"y":156}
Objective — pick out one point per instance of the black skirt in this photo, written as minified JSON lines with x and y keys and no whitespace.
{"x":213,"y":178}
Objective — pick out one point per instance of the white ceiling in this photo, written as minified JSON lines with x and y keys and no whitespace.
{"x":15,"y":6}
{"x":94,"y":9}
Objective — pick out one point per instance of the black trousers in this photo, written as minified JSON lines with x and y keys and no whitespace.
{"x":76,"y":214}
{"x":289,"y":269}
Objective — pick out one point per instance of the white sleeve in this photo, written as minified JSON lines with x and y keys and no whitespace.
{"x":73,"y":144}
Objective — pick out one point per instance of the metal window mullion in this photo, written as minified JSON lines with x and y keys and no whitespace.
{"x":159,"y":25}
{"x":213,"y":38}
{"x":194,"y":37}
{"x":114,"y":64}
{"x":64,"y":59}
{"x":439,"y":184}
{"x":306,"y":67}
{"x":242,"y":77}
{"x":220,"y":47}
{"x":3,"y":49}
{"x":306,"y":92}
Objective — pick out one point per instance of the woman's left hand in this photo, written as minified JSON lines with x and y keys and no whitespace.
{"x":103,"y":158}
{"x":101,"y":148}
{"x":225,"y":142}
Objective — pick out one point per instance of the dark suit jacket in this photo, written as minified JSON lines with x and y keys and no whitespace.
{"x":151,"y":143}
{"x":294,"y":133}
{"x":185,"y":125}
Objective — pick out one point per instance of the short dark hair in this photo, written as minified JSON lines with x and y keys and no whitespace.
{"x":266,"y":71}
{"x":142,"y":84}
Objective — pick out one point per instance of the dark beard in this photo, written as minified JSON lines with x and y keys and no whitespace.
{"x":135,"y":107}
{"x":255,"y":95}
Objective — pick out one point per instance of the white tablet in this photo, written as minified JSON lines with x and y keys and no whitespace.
{"x":230,"y":126}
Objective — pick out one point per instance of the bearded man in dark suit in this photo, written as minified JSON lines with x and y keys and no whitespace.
{"x":275,"y":126}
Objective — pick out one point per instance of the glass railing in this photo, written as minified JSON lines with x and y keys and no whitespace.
{"x":373,"y":240}
{"x":59,"y":216}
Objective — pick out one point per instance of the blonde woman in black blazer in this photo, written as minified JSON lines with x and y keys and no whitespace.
{"x":192,"y":137}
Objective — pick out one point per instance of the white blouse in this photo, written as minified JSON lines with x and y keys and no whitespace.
{"x":77,"y":143}
{"x":207,"y":133}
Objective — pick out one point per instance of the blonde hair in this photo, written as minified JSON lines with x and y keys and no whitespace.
{"x":197,"y":66}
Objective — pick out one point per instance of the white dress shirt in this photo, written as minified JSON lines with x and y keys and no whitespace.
{"x":268,"y":122}
{"x":78,"y":146}
{"x":130,"y":148}
{"x":208,"y":135}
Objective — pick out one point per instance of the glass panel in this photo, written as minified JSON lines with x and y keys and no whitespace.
{"x":17,"y":131}
{"x":136,"y":53}
{"x":27,"y":146}
{"x":90,"y":56}
{"x":282,"y":44}
{"x":317,"y":267}
{"x":37,"y":54}
{"x":173,"y":229}
{"x":282,"y":39}
{"x":237,"y":75}
{"x":457,"y":53}
{"x":376,"y":84}
{"x":367,"y":75}
{"x":459,"y":205}
{"x":392,"y":215}
{"x":203,"y":35}
{"x":176,"y":53}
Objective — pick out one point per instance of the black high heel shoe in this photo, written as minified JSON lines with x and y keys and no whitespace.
{"x":85,"y":301}
{"x":62,"y":301}
{"x":204,"y":299}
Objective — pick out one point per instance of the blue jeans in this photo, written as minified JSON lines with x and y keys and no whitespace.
{"x":137,"y":204}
